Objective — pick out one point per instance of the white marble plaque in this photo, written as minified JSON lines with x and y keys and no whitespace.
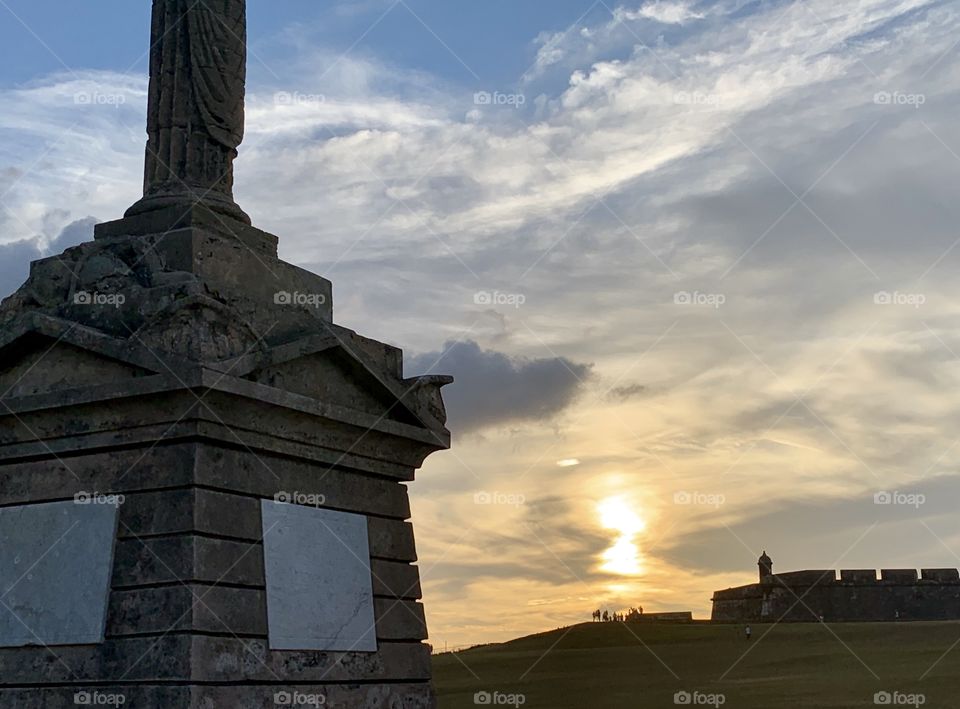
{"x":56,"y":561}
{"x":319,"y":585}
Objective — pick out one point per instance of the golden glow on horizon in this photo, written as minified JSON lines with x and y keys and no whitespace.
{"x":623,"y":558}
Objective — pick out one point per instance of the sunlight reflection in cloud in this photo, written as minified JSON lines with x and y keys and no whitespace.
{"x":623,"y":558}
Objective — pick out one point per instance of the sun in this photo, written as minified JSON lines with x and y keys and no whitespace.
{"x":623,"y":558}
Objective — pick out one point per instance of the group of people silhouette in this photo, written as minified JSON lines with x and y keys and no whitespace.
{"x":615,"y":617}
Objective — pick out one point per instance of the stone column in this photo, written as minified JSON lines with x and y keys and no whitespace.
{"x":195,"y":115}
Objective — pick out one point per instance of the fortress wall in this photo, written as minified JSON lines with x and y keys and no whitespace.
{"x":740,"y":593}
{"x":943,"y":575}
{"x":899,"y":575}
{"x":859,"y":596}
{"x":734,"y":605}
{"x":858,"y":575}
{"x":736,"y":611}
{"x":806,"y":578}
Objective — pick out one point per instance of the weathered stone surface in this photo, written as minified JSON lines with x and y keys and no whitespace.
{"x":267,"y":476}
{"x":220,"y":514}
{"x":229,"y":611}
{"x":942,"y":575}
{"x":59,"y":478}
{"x":185,"y":658}
{"x":393,"y":540}
{"x":210,"y":609}
{"x":899,"y":575}
{"x":858,"y":575}
{"x":127,"y":659}
{"x":195,"y":111}
{"x":378,"y":444}
{"x":394,"y":696}
{"x":228,"y":659}
{"x":400,"y":620}
{"x":396,"y":580}
{"x":55,"y":564}
{"x":319,"y":588}
{"x":127,"y":696}
{"x":189,"y":559}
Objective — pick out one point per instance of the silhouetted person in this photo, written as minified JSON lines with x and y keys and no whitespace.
{"x":749,"y":632}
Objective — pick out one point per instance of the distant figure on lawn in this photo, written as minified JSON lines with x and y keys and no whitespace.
{"x":749,"y":632}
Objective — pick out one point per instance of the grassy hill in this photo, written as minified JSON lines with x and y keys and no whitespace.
{"x":618,"y":666}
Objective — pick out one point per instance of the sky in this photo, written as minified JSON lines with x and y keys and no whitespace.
{"x":693,"y":264}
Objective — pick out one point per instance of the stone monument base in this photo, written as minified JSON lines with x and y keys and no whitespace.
{"x":176,"y":370}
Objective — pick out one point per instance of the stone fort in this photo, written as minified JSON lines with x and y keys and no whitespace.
{"x":853,"y":595}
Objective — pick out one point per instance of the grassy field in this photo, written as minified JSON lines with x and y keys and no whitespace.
{"x":617,"y":666}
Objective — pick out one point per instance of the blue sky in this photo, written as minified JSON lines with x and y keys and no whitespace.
{"x":713,"y":252}
{"x":494,"y":38}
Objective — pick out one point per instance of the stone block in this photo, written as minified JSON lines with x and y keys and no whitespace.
{"x":940,"y":575}
{"x":899,"y":575}
{"x":858,"y":575}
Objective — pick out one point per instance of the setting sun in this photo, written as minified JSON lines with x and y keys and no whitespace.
{"x":623,"y":558}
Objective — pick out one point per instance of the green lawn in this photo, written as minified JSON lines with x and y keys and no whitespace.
{"x":617,"y":666}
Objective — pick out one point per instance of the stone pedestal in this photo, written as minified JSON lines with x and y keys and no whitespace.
{"x":176,"y":369}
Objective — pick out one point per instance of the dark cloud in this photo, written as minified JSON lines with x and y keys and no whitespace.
{"x":493,"y":388}
{"x":73,"y":234}
{"x":16,"y":256}
{"x":628,"y":391}
{"x":15,"y":261}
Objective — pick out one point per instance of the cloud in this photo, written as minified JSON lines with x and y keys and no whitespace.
{"x":822,"y":532}
{"x":15,"y":261}
{"x":669,"y":13}
{"x":494,"y":389}
{"x":629,"y":391}
{"x":15,"y":257}
{"x":73,"y":234}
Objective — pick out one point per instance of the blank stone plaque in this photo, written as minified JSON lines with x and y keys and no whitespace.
{"x":319,"y":586}
{"x":55,"y":567}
